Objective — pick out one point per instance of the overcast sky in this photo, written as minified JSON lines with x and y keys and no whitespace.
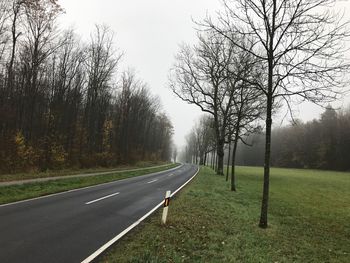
{"x":149,"y":32}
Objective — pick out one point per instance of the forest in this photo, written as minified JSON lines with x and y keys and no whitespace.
{"x":322,"y":143}
{"x":64,"y":102}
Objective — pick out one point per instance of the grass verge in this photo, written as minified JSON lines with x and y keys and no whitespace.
{"x":20,"y":192}
{"x":309,"y":221}
{"x":65,"y":172}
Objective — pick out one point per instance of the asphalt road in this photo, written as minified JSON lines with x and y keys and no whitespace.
{"x":70,"y":226}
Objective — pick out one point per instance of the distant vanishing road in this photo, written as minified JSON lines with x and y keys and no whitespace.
{"x":71,"y":226}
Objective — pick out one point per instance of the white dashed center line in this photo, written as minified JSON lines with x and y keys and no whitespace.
{"x":99,"y":199}
{"x":155,"y":180}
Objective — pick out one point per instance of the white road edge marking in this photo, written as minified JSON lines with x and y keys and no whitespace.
{"x":84,"y":188}
{"x":155,"y":180}
{"x":99,"y":199}
{"x":125,"y":231}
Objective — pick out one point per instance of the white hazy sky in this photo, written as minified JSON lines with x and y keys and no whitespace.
{"x":149,"y":32}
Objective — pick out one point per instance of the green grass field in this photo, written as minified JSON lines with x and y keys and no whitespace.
{"x":20,"y":192}
{"x":309,"y":221}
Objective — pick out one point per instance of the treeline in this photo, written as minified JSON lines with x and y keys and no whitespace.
{"x":200,"y":142}
{"x":318,"y":144}
{"x":62,"y":102}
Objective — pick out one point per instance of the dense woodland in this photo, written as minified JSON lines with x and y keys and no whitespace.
{"x":319,"y":144}
{"x":63,"y":103}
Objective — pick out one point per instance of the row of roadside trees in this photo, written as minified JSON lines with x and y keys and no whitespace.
{"x":256,"y":56}
{"x":64,"y":103}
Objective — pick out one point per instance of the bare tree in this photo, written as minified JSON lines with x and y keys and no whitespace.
{"x":248,"y":107}
{"x":101,"y":63}
{"x":191,"y":147}
{"x":17,"y":12}
{"x":38,"y":44}
{"x":4,"y":17}
{"x":141,"y":130}
{"x":67,"y":86}
{"x":299,"y":43}
{"x":247,"y":104}
{"x":203,"y":76}
{"x":206,"y":135}
{"x":4,"y":38}
{"x":174,"y":153}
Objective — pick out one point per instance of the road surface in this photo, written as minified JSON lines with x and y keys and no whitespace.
{"x":70,"y":226}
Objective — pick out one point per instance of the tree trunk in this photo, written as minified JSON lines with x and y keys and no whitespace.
{"x":13,"y":51}
{"x":220,"y":154}
{"x":201,"y":158}
{"x":213,"y":160}
{"x":228,"y":159}
{"x":235,"y":144}
{"x":265,"y":198}
{"x":233,"y":165}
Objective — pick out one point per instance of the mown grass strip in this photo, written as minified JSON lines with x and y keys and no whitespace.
{"x":309,"y":221}
{"x":21,"y":192}
{"x":66,"y":172}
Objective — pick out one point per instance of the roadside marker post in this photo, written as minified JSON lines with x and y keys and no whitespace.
{"x":166,"y":206}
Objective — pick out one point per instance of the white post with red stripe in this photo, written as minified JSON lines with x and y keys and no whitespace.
{"x":166,"y":205}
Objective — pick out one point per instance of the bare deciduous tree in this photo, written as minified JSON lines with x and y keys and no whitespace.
{"x":17,"y":11}
{"x":4,"y":16}
{"x":248,"y":108}
{"x":38,"y":44}
{"x":203,"y":76}
{"x":101,"y":62}
{"x":174,"y":153}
